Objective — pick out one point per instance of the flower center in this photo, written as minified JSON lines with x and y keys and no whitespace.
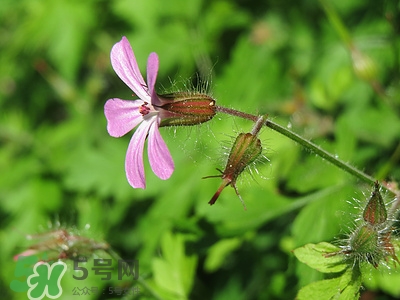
{"x":144,"y":109}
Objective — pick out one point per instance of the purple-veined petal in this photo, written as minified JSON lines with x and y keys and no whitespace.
{"x":152,"y":71}
{"x":159,"y":156}
{"x":134,"y":156}
{"x":125,"y":65}
{"x":122,"y":116}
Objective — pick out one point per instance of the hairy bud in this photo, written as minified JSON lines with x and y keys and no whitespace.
{"x":371,"y":241}
{"x":375,"y":211}
{"x":364,"y":240}
{"x":62,"y":244}
{"x":186,"y":109}
{"x":245,"y":150}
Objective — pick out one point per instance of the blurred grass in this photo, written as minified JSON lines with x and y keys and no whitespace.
{"x":283,"y":58}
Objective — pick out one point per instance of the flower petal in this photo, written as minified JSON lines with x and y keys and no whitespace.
{"x":159,"y":156}
{"x":122,"y":116}
{"x":125,"y":65}
{"x":152,"y":71}
{"x":28,"y":252}
{"x":134,"y":156}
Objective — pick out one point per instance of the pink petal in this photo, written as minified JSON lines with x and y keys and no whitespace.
{"x":159,"y":156}
{"x":122,"y":116}
{"x":152,"y":71}
{"x":134,"y":156}
{"x":124,"y":63}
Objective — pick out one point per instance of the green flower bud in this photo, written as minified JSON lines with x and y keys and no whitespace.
{"x":375,"y":211}
{"x":186,"y":109}
{"x":364,"y":240}
{"x":364,"y":67}
{"x":245,"y":150}
{"x":365,"y":245}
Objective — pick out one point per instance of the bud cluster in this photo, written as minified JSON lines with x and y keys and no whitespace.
{"x":62,"y":244}
{"x":371,"y":241}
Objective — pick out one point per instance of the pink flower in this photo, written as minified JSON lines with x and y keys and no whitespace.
{"x":124,"y":115}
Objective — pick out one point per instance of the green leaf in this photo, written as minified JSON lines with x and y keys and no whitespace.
{"x":378,"y":125}
{"x":315,"y":256}
{"x":344,"y":287}
{"x":323,"y":289}
{"x":350,"y":284}
{"x":219,"y":251}
{"x":174,"y":272}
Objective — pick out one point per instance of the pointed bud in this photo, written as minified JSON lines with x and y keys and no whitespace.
{"x":183,"y":108}
{"x":375,"y":211}
{"x":245,"y":150}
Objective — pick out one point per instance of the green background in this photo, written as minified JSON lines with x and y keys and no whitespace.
{"x":59,"y":168}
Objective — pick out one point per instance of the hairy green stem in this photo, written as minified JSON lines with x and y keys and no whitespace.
{"x":321,"y":152}
{"x":303,"y":142}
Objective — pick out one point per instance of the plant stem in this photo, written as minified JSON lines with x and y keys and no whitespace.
{"x":236,"y":113}
{"x":322,"y":153}
{"x":337,"y":23}
{"x":305,"y":143}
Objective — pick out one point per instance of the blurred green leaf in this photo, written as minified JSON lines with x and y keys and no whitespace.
{"x":322,"y":219}
{"x":64,"y":44}
{"x":101,"y":170}
{"x":378,"y":125}
{"x":218,"y":252}
{"x":174,"y":271}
